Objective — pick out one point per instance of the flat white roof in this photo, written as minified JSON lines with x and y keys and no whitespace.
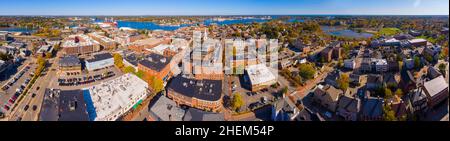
{"x":417,"y":40}
{"x":436,"y":85}
{"x":113,"y":98}
{"x":160,"y":48}
{"x":85,"y":41}
{"x":393,"y":40}
{"x":101,"y":37}
{"x":259,"y":74}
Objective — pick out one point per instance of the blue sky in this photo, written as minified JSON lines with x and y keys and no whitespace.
{"x":224,"y":7}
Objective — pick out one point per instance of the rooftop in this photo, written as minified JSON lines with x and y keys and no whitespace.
{"x":259,"y":74}
{"x":166,"y":110}
{"x":64,"y":106}
{"x":72,"y":106}
{"x":210,"y":90}
{"x":100,"y":57}
{"x":113,"y":98}
{"x":436,"y":85}
{"x":372,"y":107}
{"x":70,"y":60}
{"x":155,"y":61}
{"x":78,"y":41}
{"x":417,"y":40}
{"x":193,"y":114}
{"x":148,"y":41}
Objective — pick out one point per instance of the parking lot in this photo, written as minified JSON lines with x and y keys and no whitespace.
{"x":254,"y":100}
{"x":12,"y":88}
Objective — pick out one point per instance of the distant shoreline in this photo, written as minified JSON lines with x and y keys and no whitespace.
{"x":304,"y":15}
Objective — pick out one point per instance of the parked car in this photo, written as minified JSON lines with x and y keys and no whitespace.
{"x":26,"y":107}
{"x":6,"y":107}
{"x":34,"y":107}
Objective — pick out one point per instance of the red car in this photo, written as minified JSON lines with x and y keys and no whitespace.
{"x":11,"y":101}
{"x":6,"y":108}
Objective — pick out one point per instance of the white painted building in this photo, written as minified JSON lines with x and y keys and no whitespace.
{"x":111,"y":99}
{"x":99,"y":61}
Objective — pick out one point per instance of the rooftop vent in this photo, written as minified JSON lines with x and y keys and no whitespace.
{"x":163,"y":60}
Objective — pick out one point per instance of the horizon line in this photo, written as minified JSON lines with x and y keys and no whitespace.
{"x":225,"y":15}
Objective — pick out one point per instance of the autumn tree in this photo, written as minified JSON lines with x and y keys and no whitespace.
{"x":344,"y":82}
{"x":118,"y":60}
{"x":237,"y":102}
{"x":129,"y":69}
{"x":155,"y":83}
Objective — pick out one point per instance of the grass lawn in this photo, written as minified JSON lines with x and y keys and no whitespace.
{"x":389,"y":31}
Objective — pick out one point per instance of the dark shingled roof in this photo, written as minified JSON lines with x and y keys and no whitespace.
{"x":70,"y":60}
{"x":100,"y":57}
{"x":193,"y":114}
{"x":210,"y":90}
{"x":155,"y":62}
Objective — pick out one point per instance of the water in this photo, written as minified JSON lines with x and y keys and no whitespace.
{"x":235,"y":21}
{"x":342,"y":32}
{"x":154,"y":26}
{"x":16,"y":29}
{"x":147,"y":25}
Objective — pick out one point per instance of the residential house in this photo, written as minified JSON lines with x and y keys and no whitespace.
{"x":348,"y":108}
{"x":284,"y":110}
{"x":332,"y":78}
{"x":355,"y":79}
{"x":327,"y":96}
{"x":372,"y":109}
{"x":432,"y":72}
{"x":374,"y":81}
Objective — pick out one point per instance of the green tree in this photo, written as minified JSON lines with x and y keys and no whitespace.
{"x":388,"y":93}
{"x":388,"y":113}
{"x":417,"y":62}
{"x":140,"y":74}
{"x":442,"y":68}
{"x":399,"y":92}
{"x":284,"y":90}
{"x":306,"y":71}
{"x":344,"y":82}
{"x":237,"y":102}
